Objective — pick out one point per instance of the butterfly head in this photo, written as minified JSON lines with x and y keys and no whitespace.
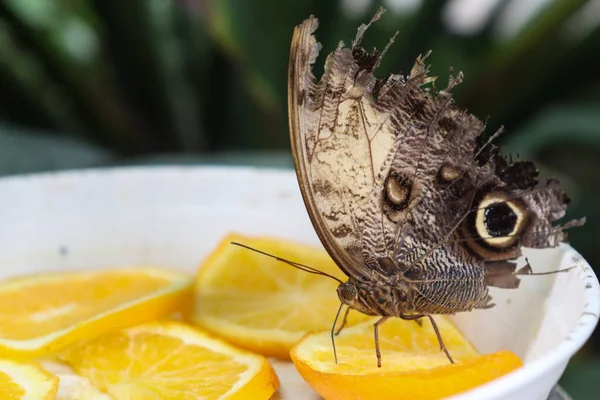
{"x":355,"y":296}
{"x":348,"y":293}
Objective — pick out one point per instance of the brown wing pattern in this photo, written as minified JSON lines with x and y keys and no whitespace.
{"x":392,"y":169}
{"x":340,"y":141}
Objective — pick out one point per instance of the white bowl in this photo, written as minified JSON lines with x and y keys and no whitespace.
{"x":173,"y":216}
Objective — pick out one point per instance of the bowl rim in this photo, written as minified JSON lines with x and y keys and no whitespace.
{"x":562,"y":353}
{"x":528,"y":373}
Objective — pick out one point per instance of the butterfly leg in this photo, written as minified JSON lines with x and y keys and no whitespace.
{"x":527,"y":270}
{"x":344,"y":322}
{"x":439,"y":338}
{"x":413,"y":317}
{"x":376,"y":334}
{"x":416,"y":317}
{"x":337,"y":315}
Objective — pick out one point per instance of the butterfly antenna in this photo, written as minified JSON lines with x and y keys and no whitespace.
{"x":299,"y":266}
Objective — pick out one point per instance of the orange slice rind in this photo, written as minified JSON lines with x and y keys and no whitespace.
{"x":41,"y":313}
{"x":413,"y":367}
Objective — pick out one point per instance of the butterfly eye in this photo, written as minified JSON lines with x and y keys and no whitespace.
{"x":347,"y":293}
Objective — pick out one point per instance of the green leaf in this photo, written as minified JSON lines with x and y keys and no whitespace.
{"x":577,"y":124}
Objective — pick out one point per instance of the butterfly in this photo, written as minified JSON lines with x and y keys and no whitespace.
{"x":405,"y":192}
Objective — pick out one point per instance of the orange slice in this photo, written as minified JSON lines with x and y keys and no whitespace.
{"x":72,"y":386}
{"x":262,"y":304}
{"x":40,"y":313}
{"x":413,"y":367}
{"x":171,"y":360}
{"x":27,"y":381}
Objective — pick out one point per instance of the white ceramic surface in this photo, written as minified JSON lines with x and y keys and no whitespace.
{"x":172,"y":216}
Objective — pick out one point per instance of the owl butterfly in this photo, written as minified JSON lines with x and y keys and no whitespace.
{"x":416,"y":207}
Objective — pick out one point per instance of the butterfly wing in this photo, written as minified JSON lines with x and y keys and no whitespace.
{"x":398,"y":180}
{"x":336,"y":159}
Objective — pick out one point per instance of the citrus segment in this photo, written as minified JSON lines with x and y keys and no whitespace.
{"x":170,"y":360}
{"x":262,"y":304}
{"x":41,"y":313}
{"x":405,"y":346}
{"x":72,"y":386}
{"x":413,"y":367}
{"x":27,"y":381}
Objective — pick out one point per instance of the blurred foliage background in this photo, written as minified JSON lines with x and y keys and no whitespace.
{"x":106,"y":82}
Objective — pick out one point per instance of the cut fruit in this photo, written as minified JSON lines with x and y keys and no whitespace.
{"x":171,"y":360}
{"x":41,"y":313}
{"x":73,"y":386}
{"x":413,"y":367}
{"x":262,"y":304}
{"x":27,"y":381}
